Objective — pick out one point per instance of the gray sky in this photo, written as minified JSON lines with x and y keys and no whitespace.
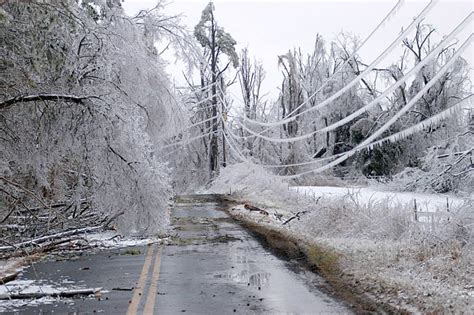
{"x":270,"y":27}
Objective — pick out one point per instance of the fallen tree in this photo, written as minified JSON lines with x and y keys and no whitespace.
{"x":56,"y":236}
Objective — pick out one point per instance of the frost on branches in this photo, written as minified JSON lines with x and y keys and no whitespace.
{"x":84,"y":103}
{"x":429,"y":146}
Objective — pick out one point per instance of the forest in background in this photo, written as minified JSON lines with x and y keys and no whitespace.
{"x":93,"y":132}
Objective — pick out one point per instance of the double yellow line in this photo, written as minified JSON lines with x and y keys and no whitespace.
{"x":152,"y":291}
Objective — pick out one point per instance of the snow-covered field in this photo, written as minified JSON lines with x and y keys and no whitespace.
{"x":367,"y":195}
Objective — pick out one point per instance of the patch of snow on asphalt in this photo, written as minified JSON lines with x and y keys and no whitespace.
{"x":12,"y":305}
{"x":10,"y":266}
{"x":113,"y":240}
{"x":26,"y":287}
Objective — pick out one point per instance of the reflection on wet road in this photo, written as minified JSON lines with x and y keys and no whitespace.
{"x":215,"y":267}
{"x":212,"y":266}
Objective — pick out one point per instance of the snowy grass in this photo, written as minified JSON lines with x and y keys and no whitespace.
{"x":423,"y":262}
{"x":252,"y":182}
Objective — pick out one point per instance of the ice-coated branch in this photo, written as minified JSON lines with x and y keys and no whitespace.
{"x":43,"y":97}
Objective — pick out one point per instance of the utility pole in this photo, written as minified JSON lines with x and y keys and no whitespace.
{"x":224,"y":118}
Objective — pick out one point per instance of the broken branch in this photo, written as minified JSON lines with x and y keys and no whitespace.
{"x":43,"y":97}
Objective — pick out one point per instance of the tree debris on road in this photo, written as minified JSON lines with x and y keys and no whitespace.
{"x":253,"y":208}
{"x":53,"y":293}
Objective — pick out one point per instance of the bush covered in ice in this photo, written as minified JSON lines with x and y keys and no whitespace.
{"x":251,"y":181}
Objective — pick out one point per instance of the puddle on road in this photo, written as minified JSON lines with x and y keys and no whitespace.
{"x":202,"y":240}
{"x":259,"y":279}
{"x":244,"y":260}
{"x":224,"y":239}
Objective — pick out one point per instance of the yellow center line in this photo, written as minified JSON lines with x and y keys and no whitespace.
{"x":150,"y":301}
{"x":133,"y":306}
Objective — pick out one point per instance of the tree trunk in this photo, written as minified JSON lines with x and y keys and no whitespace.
{"x":224,"y":160}
{"x":214,"y":152}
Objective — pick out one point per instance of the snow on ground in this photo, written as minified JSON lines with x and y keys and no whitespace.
{"x":103,"y":240}
{"x":32,"y":286}
{"x":366,"y":195}
{"x":111,"y":239}
{"x":10,"y":267}
{"x":12,"y":305}
{"x":416,"y":272}
{"x":424,"y":264}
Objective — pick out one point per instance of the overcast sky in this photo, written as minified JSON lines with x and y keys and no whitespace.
{"x":271,"y":28}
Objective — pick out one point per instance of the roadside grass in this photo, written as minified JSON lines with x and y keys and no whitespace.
{"x":132,"y":252}
{"x":321,"y":260}
{"x":376,"y":258}
{"x":418,"y":261}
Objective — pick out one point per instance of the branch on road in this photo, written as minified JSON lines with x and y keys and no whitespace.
{"x":38,"y":295}
{"x":44,"y":239}
{"x":253,"y":208}
{"x":9,"y":277}
{"x":43,"y":97}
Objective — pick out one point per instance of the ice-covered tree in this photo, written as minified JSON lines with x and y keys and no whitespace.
{"x":251,"y":76}
{"x":216,"y":42}
{"x":85,"y":104}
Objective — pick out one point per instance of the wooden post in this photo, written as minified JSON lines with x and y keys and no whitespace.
{"x":447,"y":207}
{"x":432,"y":222}
{"x":416,"y":213}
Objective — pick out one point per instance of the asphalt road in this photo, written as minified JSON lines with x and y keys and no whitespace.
{"x":212,"y":266}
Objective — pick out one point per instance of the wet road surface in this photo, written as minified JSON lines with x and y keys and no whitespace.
{"x":106,"y":270}
{"x":216,"y":267}
{"x":212,"y":266}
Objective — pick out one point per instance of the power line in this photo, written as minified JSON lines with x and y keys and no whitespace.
{"x":185,"y":141}
{"x":194,"y":125}
{"x":435,"y":119}
{"x":355,"y":80}
{"x":385,"y":20}
{"x":374,"y":102}
{"x":369,"y":140}
{"x":395,"y":117}
{"x":228,"y":130}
